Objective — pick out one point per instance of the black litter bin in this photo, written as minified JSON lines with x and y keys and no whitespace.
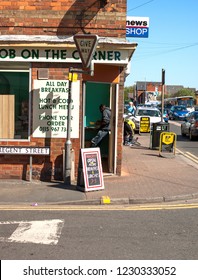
{"x":157,"y":129}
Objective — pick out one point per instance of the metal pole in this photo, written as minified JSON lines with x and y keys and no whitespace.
{"x":162,"y":95}
{"x":68,"y":144}
{"x":30,"y":179}
{"x":136,"y":94}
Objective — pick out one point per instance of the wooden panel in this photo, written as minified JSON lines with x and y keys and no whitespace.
{"x":7,"y":105}
{"x":104,"y":73}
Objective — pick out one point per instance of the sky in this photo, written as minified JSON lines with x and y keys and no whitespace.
{"x":172,"y":44}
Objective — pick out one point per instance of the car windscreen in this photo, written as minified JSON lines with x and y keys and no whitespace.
{"x":180,"y":108}
{"x":151,"y":113}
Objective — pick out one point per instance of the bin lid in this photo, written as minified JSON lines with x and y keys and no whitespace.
{"x":160,"y":126}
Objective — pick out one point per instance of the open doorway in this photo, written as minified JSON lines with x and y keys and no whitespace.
{"x":96,"y":94}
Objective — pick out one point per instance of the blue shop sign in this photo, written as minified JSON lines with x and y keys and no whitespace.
{"x":137,"y":27}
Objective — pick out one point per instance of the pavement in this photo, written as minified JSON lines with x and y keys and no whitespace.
{"x":146,"y":178}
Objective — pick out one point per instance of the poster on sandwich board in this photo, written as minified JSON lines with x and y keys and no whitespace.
{"x":92,"y":169}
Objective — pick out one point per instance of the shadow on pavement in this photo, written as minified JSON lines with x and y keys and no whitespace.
{"x":61,"y":185}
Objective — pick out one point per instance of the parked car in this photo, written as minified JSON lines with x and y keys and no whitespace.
{"x":190,"y":126}
{"x":143,"y":105}
{"x":178,"y":112}
{"x":152,"y":112}
{"x":167,"y":107}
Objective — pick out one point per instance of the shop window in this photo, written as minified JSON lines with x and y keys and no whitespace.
{"x":14,"y":101}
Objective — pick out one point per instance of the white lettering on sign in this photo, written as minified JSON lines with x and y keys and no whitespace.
{"x":137,"y":32}
{"x":24,"y":150}
{"x":40,"y":232}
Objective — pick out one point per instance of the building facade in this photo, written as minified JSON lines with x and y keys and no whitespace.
{"x":37,"y":51}
{"x":148,"y":91}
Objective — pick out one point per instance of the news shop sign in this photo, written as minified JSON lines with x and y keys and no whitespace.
{"x":137,"y":27}
{"x":92,"y":169}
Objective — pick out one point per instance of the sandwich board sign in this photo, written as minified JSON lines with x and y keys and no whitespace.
{"x":92,"y":169}
{"x":144,"y":124}
{"x":167,"y":142}
{"x":86,"y":45}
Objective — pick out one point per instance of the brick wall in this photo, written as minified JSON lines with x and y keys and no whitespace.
{"x":63,"y":17}
{"x":152,"y":86}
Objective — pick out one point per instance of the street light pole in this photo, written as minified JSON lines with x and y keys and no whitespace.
{"x":68,"y":143}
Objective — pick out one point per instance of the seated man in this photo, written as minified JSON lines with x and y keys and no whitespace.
{"x":104,"y":126}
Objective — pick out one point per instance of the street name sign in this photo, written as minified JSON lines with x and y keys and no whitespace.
{"x":15,"y":150}
{"x":86,"y":46}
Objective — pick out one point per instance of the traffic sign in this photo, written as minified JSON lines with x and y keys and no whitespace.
{"x":86,"y":46}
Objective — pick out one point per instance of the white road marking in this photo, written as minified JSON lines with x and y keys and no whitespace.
{"x":188,"y":155}
{"x":191,"y":155}
{"x":39,"y":232}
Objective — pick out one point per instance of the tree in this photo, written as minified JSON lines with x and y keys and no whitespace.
{"x":185,"y":92}
{"x":129,"y":90}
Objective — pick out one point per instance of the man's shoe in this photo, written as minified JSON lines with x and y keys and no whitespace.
{"x":93,"y":145}
{"x":126,"y":144}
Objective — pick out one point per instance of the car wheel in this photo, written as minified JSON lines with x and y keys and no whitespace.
{"x":182,"y":133}
{"x":190,"y":135}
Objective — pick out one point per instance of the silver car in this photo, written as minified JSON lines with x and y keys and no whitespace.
{"x":152,"y":112}
{"x":190,"y":126}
